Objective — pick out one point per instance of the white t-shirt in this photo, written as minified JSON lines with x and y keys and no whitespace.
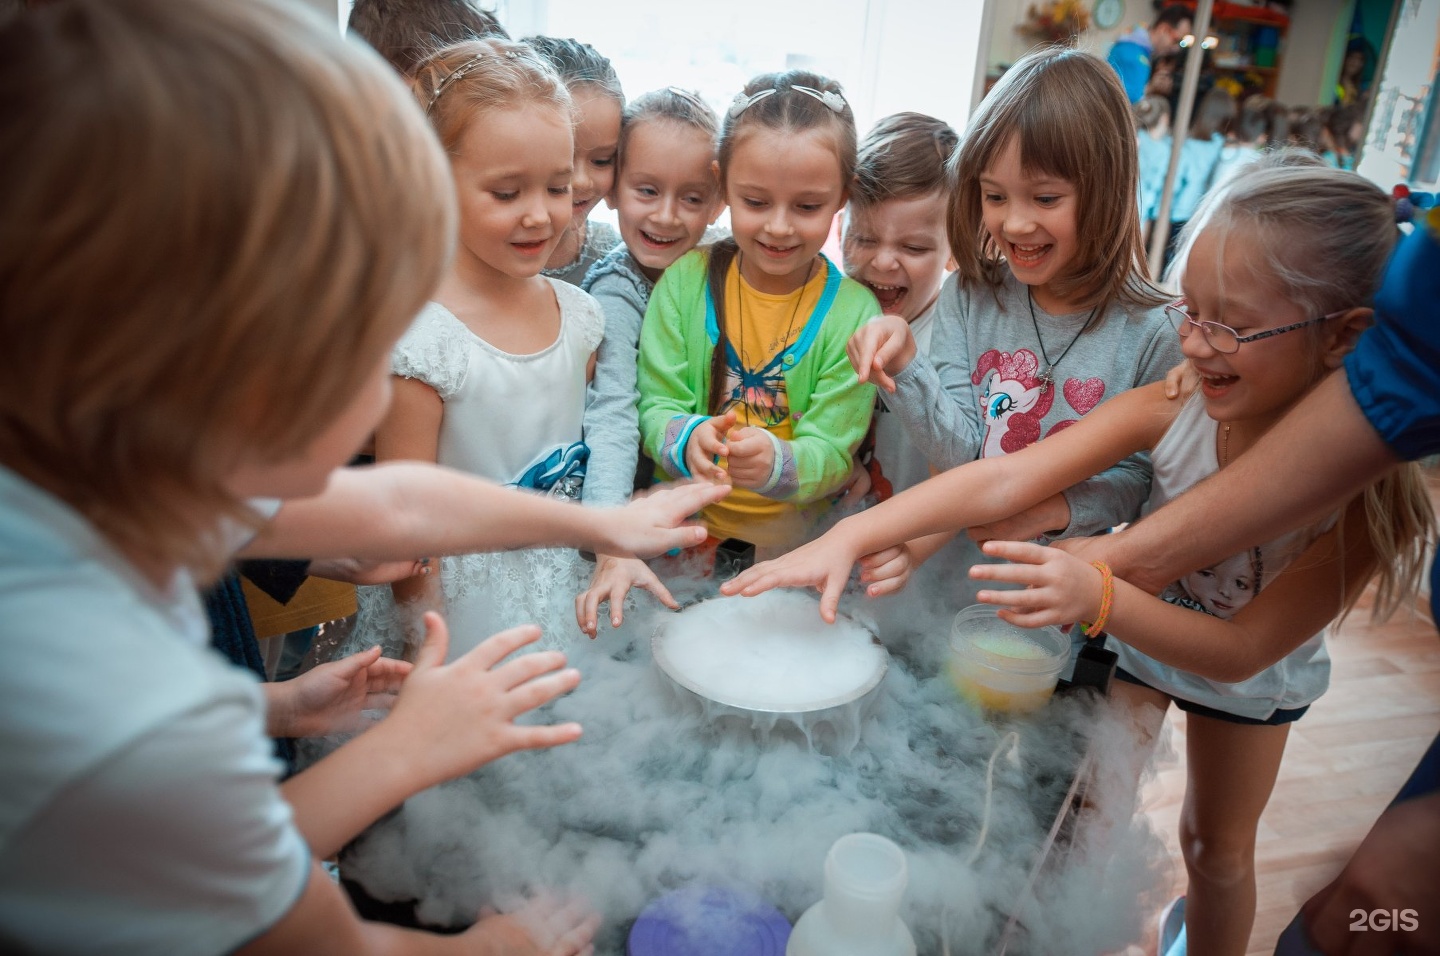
{"x":139,"y":811}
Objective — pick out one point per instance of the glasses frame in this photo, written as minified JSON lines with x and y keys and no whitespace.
{"x":1182,"y":321}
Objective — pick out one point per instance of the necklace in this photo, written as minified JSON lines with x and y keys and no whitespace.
{"x":784,"y":343}
{"x":1047,"y":380}
{"x":1225,"y":446}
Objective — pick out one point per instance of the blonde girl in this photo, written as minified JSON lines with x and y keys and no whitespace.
{"x":1277,"y":288}
{"x":666,"y":194}
{"x":491,"y":378}
{"x":1049,"y":311}
{"x":743,"y":375}
{"x":599,"y":101}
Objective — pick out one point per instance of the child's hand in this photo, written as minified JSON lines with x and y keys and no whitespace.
{"x":752,"y":457}
{"x":880,"y":349}
{"x":613,"y":579}
{"x":1052,"y":514}
{"x":459,"y":716}
{"x":332,"y":698}
{"x":356,"y":571}
{"x":824,"y":564}
{"x":657,"y":522}
{"x":1181,"y":381}
{"x":857,"y":486}
{"x":1059,"y":587}
{"x":706,"y":445}
{"x":888,"y":571}
{"x":541,"y":926}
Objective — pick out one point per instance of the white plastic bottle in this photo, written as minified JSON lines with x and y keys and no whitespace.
{"x":865,"y":877}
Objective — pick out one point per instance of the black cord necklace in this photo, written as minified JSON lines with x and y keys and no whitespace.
{"x":1047,"y":379}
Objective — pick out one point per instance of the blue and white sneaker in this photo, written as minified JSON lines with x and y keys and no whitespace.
{"x":1172,"y":928}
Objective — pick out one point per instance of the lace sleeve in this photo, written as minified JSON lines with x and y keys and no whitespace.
{"x":582,"y":309}
{"x":433,"y":350}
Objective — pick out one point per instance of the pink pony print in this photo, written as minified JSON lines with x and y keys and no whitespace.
{"x":1011,"y":399}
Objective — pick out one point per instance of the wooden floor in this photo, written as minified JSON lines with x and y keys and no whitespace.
{"x":1344,"y":762}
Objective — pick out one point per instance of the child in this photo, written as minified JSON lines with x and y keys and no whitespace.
{"x":1049,"y":311}
{"x":895,"y":246}
{"x":599,"y":101}
{"x":1249,"y":138}
{"x":1152,"y":121}
{"x":742,"y":375}
{"x":1277,"y":286}
{"x":405,"y":32}
{"x":493,"y":374}
{"x":665,"y":194}
{"x":213,"y":333}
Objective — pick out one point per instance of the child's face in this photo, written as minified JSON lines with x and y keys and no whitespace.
{"x":597,"y":135}
{"x":898,"y":250}
{"x":307,"y":472}
{"x":1223,"y":283}
{"x":666,"y":193}
{"x":512,"y":177}
{"x":1031,"y":216}
{"x":784,"y":190}
{"x":1225,"y":588}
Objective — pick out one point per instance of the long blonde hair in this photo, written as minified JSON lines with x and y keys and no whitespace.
{"x":1326,"y":236}
{"x":218,"y":217}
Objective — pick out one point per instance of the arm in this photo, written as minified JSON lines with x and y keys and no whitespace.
{"x":1062,"y":589}
{"x":409,"y":508}
{"x":672,"y":397}
{"x":984,"y":490}
{"x":934,"y":398}
{"x":612,"y":416}
{"x":835,"y":420}
{"x":1325,"y":449}
{"x":410,"y":431}
{"x":463,"y":712}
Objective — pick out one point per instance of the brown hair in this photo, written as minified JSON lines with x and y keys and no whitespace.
{"x":458,"y":82}
{"x":787,"y":110}
{"x":255,"y":264}
{"x":676,"y":105}
{"x":1215,"y":114}
{"x":579,"y":64}
{"x":903,"y":156}
{"x":1071,"y":119}
{"x":404,"y":32}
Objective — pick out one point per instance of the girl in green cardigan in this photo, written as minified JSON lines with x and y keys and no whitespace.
{"x":743,"y":374}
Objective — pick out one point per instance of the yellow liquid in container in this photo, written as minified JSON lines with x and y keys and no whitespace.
{"x":1001,"y":669}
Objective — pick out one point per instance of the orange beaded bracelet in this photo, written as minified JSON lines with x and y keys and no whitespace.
{"x":1107,"y":598}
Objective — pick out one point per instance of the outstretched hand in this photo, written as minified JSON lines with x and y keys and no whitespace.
{"x":888,"y":571}
{"x":463,"y":713}
{"x":823,"y":564}
{"x":658,"y":521}
{"x":540,"y":926}
{"x":1059,"y":587}
{"x":333,"y":698}
{"x":612,"y":581}
{"x":880,"y":349}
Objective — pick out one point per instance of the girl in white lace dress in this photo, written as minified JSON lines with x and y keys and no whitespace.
{"x":491,"y":377}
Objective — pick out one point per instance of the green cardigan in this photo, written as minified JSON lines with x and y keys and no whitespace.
{"x":830,"y":406}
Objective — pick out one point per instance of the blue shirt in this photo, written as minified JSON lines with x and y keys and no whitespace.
{"x":1130,"y":56}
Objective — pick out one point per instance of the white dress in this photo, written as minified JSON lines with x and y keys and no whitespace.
{"x":516,"y":420}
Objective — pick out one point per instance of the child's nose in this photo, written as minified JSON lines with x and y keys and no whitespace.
{"x":779,"y":222}
{"x":885,"y":259}
{"x":1018,"y":221}
{"x":669,"y":212}
{"x":535,"y":212}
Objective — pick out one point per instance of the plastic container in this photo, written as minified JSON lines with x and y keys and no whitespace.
{"x":1001,"y":667}
{"x":708,"y":921}
{"x":865,"y":878}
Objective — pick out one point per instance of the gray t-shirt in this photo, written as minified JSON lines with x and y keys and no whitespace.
{"x":600,"y":238}
{"x":612,"y":416}
{"x":981,"y":392}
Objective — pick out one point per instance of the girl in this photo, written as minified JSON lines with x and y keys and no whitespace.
{"x":599,"y":101}
{"x":666,"y":193}
{"x":895,"y":246}
{"x":743,"y":377}
{"x":1049,"y":311}
{"x":1283,"y":265}
{"x":492,"y":375}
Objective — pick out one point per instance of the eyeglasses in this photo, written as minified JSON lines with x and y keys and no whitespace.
{"x":1224,"y":339}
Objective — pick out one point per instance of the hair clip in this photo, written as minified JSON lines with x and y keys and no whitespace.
{"x":830,"y":98}
{"x":744,"y":101}
{"x":459,"y":72}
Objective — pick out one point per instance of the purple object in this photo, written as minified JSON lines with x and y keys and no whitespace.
{"x":709,"y":921}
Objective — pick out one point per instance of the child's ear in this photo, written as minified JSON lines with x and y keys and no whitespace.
{"x":1345,"y":330}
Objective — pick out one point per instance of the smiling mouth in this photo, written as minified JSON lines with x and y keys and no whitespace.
{"x":889,"y":296}
{"x":776,"y":251}
{"x":657,"y":242}
{"x":530,"y":248}
{"x":1029,"y":255}
{"x":1215,"y":383}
